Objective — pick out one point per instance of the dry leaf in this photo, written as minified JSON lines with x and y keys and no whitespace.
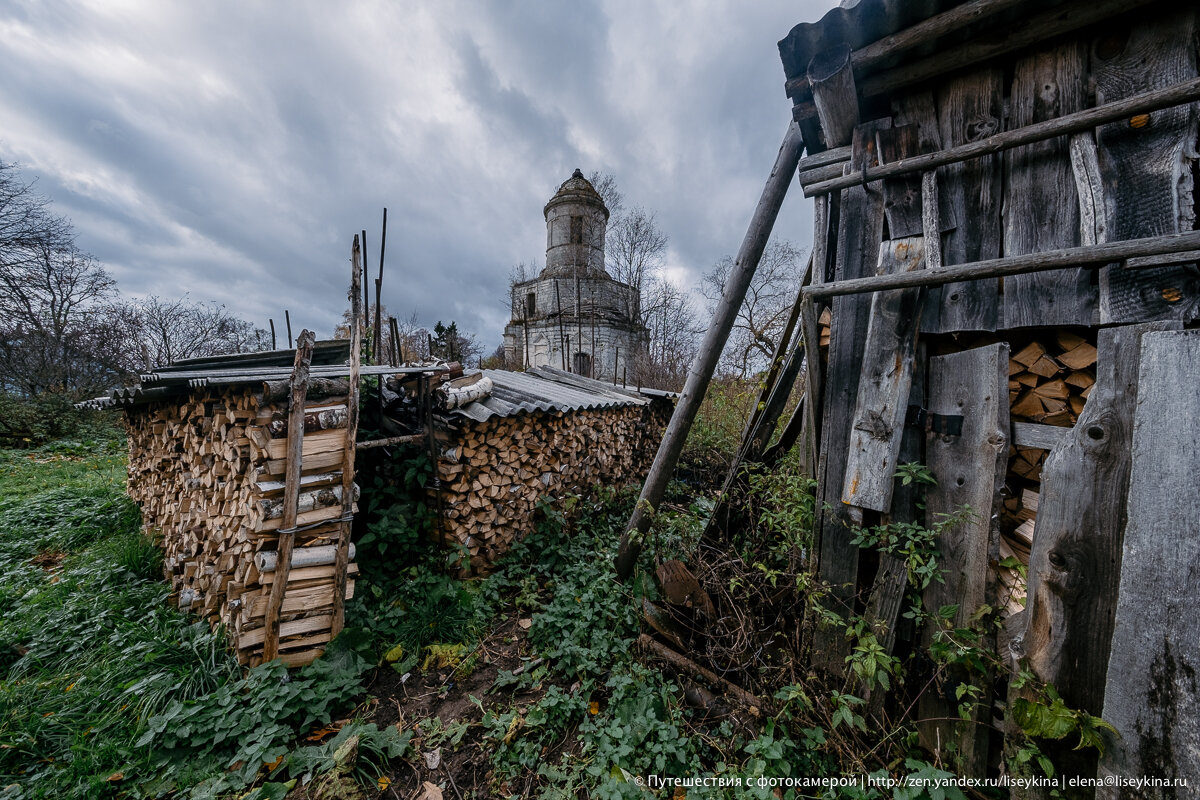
{"x":429,"y":791}
{"x":524,"y":624}
{"x":116,"y":776}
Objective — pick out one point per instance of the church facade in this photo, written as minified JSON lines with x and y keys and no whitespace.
{"x":573,"y":315}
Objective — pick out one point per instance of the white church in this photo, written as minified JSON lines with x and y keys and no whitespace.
{"x":573,"y":315}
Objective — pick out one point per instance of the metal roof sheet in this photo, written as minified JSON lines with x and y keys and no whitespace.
{"x":547,"y":389}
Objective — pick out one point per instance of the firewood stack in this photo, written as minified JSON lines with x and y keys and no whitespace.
{"x":207,"y":469}
{"x":1048,"y":382}
{"x":493,"y":473}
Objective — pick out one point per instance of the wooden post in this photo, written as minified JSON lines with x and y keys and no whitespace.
{"x":344,"y":528}
{"x":562,"y":346}
{"x":1152,"y":691}
{"x":274,"y":346}
{"x":710,"y":349}
{"x":969,"y":469}
{"x":378,"y":338}
{"x":366,"y":286}
{"x":291,"y":492}
{"x":397,"y":355}
{"x":287,"y":317}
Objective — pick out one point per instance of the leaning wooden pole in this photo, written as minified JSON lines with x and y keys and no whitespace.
{"x":291,"y":492}
{"x":343,"y":542}
{"x":710,"y":350}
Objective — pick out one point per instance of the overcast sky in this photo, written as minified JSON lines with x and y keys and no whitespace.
{"x":231,"y":150}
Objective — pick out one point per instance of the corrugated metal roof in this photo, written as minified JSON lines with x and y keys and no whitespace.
{"x":547,"y":389}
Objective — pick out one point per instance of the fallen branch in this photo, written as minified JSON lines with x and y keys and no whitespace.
{"x":687,"y":665}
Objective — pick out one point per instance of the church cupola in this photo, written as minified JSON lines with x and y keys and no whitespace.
{"x":576,"y":219}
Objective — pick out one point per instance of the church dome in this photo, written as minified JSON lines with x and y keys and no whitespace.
{"x":576,"y":190}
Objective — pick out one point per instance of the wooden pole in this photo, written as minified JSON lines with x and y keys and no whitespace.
{"x":366,"y":285}
{"x":291,"y":492}
{"x":1090,"y":256}
{"x":379,"y":289}
{"x":274,"y":345}
{"x":287,"y":317}
{"x":705,"y":363}
{"x":397,"y":356}
{"x":343,"y":542}
{"x":561,"y":337}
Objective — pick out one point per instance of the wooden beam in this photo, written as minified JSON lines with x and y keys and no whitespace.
{"x":749,"y":254}
{"x":1146,"y":103}
{"x":1152,"y":693}
{"x":1032,"y":434}
{"x":291,"y":492}
{"x":1014,"y":265}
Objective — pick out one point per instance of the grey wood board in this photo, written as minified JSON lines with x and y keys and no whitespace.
{"x":884,"y":381}
{"x":1152,"y":690}
{"x":1146,"y":163}
{"x":1040,"y":201}
{"x":901,"y":196}
{"x":970,"y":108}
{"x":970,"y":472}
{"x":1074,"y":565}
{"x":860,"y":232}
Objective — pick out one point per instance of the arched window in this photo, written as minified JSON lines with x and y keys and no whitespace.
{"x":583,"y":364}
{"x":530,"y":304}
{"x":576,"y":230}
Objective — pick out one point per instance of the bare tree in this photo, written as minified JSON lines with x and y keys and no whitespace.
{"x":764,"y":312}
{"x":165,"y":331}
{"x":675,"y":327}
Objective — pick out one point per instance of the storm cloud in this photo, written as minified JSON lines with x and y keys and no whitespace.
{"x":231,"y":150}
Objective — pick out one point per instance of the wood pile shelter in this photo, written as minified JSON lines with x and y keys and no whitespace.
{"x":508,"y":439}
{"x":1004,"y":287}
{"x":209,"y":456}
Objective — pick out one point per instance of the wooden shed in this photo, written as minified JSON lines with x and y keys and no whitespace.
{"x":1003,"y":287}
{"x":1005,"y":260}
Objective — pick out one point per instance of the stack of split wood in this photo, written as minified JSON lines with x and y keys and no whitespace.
{"x":1016,"y":541}
{"x":207,"y":469}
{"x":1048,"y":382}
{"x":493,"y":472}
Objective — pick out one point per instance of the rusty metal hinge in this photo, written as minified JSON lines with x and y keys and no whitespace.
{"x":945,"y":424}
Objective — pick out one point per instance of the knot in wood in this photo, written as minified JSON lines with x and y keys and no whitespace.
{"x":875,"y":426}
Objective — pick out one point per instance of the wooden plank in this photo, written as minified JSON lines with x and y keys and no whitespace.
{"x":1075,"y":561}
{"x":343,"y":540}
{"x":884,"y":382}
{"x":700,"y":374}
{"x":901,"y":196}
{"x":860,"y":231}
{"x":313,"y":444}
{"x":970,"y":472}
{"x":1152,"y":692}
{"x":970,"y":108}
{"x":908,"y":505}
{"x":1071,"y":258}
{"x":836,"y":100}
{"x":1047,"y":84}
{"x":1185,"y":92}
{"x":1146,"y":162}
{"x":1032,"y":434}
{"x":291,"y":492}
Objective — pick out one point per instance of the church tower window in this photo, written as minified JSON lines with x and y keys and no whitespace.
{"x":576,"y":230}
